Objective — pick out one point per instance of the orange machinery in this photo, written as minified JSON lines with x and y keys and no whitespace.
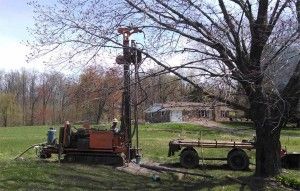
{"x":89,"y":145}
{"x":101,"y":146}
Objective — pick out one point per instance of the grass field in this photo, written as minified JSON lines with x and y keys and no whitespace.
{"x":33,"y":174}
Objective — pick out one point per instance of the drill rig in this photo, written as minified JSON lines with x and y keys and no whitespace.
{"x":101,"y":146}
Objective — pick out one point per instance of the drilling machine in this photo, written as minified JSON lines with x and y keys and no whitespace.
{"x":100,"y":146}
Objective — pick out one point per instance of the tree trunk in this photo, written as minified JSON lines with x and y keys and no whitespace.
{"x":32,"y":112}
{"x":4,"y":116}
{"x":44,"y":116}
{"x":101,"y":105}
{"x":5,"y":119}
{"x":62,"y":109}
{"x":269,"y":117}
{"x":268,"y":162}
{"x":31,"y":117}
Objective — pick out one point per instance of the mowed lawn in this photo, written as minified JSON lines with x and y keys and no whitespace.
{"x":34,"y":174}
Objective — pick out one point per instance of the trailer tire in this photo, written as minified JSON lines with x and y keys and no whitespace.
{"x":237,"y":159}
{"x":189,"y":158}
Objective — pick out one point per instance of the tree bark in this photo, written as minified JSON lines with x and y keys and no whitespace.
{"x":268,"y":162}
{"x":269,"y":117}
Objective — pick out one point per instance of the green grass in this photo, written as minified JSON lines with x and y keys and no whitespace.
{"x":32,"y":174}
{"x":290,"y":137}
{"x":289,"y":178}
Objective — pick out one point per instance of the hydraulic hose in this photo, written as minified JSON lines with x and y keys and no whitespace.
{"x":32,"y":146}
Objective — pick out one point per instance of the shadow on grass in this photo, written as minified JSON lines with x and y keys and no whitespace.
{"x":224,"y":167}
{"x":28,"y":175}
{"x":53,"y":176}
{"x":243,"y":182}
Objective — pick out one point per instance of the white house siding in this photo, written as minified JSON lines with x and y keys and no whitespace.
{"x":176,"y":116}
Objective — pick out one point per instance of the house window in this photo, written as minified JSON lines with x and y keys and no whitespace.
{"x":232,"y":114}
{"x":223,"y":114}
{"x":162,"y":113}
{"x":204,"y":113}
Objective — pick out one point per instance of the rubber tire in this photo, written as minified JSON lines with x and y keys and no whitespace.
{"x":237,"y":159}
{"x":189,"y":158}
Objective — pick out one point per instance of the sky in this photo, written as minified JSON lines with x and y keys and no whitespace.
{"x":15,"y":17}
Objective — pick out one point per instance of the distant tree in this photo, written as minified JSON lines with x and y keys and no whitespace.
{"x":195,"y":95}
{"x":96,"y":90}
{"x":8,"y":108}
{"x":62,"y":97}
{"x":47,"y":84}
{"x":159,"y":87}
{"x":24,"y":91}
{"x":110,"y":94}
{"x":33,"y":96}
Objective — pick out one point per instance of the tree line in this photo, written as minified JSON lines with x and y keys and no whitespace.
{"x":44,"y":98}
{"x":40,"y":98}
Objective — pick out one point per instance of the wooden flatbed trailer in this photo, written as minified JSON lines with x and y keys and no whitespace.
{"x":237,"y":158}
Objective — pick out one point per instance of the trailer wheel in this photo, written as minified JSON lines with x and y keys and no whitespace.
{"x":189,"y":158}
{"x":237,"y":159}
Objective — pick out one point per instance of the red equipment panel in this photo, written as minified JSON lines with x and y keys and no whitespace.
{"x":101,"y":139}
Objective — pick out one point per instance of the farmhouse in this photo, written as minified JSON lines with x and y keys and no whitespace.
{"x":190,"y":111}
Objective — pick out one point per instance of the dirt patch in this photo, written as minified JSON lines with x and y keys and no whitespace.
{"x":154,"y":170}
{"x":136,"y":169}
{"x":209,"y":124}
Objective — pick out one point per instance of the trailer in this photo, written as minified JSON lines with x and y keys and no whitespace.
{"x":237,"y":158}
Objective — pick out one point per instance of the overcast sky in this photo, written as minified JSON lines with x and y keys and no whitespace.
{"x":15,"y":17}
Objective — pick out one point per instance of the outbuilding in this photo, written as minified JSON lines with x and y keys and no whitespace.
{"x":190,"y":111}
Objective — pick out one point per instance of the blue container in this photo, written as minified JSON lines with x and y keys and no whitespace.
{"x":138,"y":159}
{"x":51,"y":136}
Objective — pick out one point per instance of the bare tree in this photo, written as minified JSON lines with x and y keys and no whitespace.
{"x":33,"y":96}
{"x":24,"y":91}
{"x":8,"y":108}
{"x":45,"y":91}
{"x":221,"y":39}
